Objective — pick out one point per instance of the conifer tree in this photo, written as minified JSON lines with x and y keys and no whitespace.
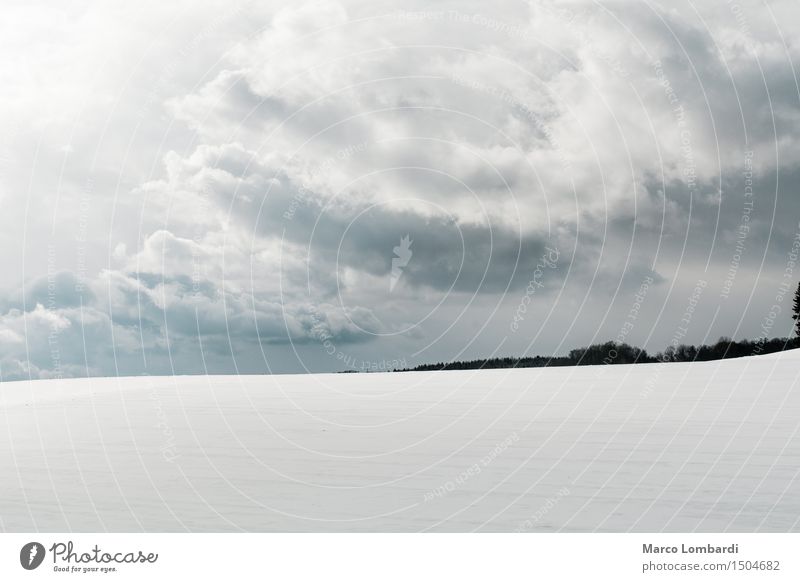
{"x":796,"y":310}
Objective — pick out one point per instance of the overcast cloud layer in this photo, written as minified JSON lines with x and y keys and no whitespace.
{"x":243,"y":187}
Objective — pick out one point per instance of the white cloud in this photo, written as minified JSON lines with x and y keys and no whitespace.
{"x":240,"y":171}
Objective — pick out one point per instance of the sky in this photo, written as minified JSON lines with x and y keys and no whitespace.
{"x":255,"y":187}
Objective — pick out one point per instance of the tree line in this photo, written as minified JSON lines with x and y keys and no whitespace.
{"x":610,"y":353}
{"x":621,"y":353}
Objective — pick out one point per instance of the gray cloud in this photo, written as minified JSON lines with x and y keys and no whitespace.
{"x":243,"y":184}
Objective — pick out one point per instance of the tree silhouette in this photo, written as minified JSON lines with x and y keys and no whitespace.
{"x":796,"y":310}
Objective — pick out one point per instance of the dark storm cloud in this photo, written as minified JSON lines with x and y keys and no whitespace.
{"x":447,"y":253}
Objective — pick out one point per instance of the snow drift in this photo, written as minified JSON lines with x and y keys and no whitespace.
{"x":653,"y":447}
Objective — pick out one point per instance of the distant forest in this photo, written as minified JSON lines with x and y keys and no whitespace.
{"x":621,"y":353}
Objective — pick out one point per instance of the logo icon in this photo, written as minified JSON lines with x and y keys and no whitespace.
{"x":31,"y":555}
{"x":400,"y":260}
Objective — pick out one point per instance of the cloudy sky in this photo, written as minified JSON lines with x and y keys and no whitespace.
{"x":260,"y":187}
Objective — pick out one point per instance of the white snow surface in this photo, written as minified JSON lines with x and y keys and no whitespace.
{"x":657,"y":447}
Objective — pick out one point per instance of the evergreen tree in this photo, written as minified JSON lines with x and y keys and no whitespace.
{"x":796,"y":310}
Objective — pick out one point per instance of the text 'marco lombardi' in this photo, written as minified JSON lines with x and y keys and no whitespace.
{"x":684,"y":549}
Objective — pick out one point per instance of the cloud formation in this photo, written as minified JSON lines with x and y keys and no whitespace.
{"x":244,"y":184}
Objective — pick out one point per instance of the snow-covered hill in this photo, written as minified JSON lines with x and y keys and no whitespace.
{"x":704,"y":446}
